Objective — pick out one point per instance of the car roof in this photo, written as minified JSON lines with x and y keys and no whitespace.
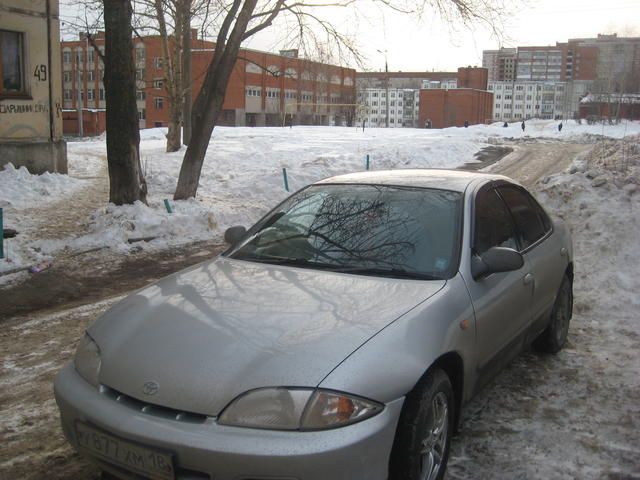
{"x":455,"y":180}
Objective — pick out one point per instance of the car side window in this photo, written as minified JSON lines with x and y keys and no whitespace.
{"x":493,"y":224}
{"x":546,"y":221}
{"x":528,"y":222}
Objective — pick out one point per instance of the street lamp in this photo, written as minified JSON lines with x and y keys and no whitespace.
{"x":386,"y":71}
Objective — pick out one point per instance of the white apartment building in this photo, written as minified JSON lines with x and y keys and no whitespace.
{"x":399,"y":108}
{"x":522,"y":100}
{"x":447,"y":84}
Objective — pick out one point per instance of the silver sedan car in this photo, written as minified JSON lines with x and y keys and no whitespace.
{"x":338,"y":338}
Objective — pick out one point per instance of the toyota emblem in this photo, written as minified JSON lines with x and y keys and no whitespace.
{"x":150,"y":388}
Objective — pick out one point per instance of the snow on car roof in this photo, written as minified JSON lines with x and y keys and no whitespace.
{"x":456,"y":180}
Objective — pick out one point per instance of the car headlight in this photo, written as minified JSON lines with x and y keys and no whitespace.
{"x":87,"y":360}
{"x":297,"y":409}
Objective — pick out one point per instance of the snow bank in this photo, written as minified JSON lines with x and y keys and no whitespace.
{"x":242,"y":177}
{"x":20,"y":189}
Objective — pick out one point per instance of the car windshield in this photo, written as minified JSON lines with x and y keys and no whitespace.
{"x":361,"y":229}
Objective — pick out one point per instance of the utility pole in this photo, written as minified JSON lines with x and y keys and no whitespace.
{"x":386,"y":71}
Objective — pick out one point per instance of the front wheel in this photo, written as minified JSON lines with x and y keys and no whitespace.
{"x":421,"y":447}
{"x":555,"y":336}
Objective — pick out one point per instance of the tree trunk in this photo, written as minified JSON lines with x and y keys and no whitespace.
{"x":173,"y":133}
{"x":186,"y":75}
{"x":126,"y":181}
{"x":173,"y":76}
{"x":208,"y":104}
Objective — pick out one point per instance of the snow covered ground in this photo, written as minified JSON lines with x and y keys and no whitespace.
{"x":241,"y":180}
{"x":575,"y":414}
{"x":566,"y":416}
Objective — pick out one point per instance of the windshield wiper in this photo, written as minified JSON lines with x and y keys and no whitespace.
{"x":387,"y":272}
{"x":292,"y":261}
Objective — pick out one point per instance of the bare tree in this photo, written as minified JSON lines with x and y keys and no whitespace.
{"x":126,"y":181}
{"x":240,"y":19}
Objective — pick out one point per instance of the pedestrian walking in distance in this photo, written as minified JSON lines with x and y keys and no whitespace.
{"x":560,"y":127}
{"x":522,"y":126}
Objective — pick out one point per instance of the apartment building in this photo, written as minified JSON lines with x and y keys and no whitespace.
{"x":402,"y":80}
{"x":437,"y":99}
{"x":264,"y":89}
{"x":393,"y":107}
{"x":30,"y":103}
{"x":393,"y":98}
{"x":501,"y":64}
{"x":522,"y":100}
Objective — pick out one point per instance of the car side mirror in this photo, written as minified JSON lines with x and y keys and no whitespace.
{"x":495,"y":260}
{"x":233,"y":235}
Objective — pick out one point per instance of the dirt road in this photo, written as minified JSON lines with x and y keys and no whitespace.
{"x":502,"y":427}
{"x":530,"y":163}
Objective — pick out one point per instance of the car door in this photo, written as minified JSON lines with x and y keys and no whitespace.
{"x":541,"y":250}
{"x":501,"y":301}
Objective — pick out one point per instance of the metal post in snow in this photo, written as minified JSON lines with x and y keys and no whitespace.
{"x":167,"y":205}
{"x":1,"y":236}
{"x":367,"y":161}
{"x":286,"y":181}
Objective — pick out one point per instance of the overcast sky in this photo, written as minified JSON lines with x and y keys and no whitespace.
{"x":431,"y":44}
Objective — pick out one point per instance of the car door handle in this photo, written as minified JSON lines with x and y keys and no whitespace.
{"x":528,"y":278}
{"x":563,"y":251}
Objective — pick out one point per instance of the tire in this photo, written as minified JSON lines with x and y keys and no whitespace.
{"x":554,"y":338}
{"x":423,"y":436}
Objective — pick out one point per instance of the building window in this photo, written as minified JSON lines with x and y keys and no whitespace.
{"x":158,"y":62}
{"x":140,"y":74}
{"x":140,"y":95}
{"x":140,"y":53}
{"x":90,"y":56}
{"x":12,"y":63}
{"x":66,"y":56}
{"x":157,"y":83}
{"x":67,"y":77}
{"x":90,"y":76}
{"x":159,"y":103}
{"x":79,"y":57}
{"x":91,"y":93}
{"x":67,"y":95}
{"x":102,"y":94}
{"x":252,"y":68}
{"x":142,"y":114}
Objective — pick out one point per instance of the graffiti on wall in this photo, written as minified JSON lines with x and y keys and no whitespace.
{"x":38,"y":107}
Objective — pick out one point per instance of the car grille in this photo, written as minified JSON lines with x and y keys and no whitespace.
{"x":151,"y":409}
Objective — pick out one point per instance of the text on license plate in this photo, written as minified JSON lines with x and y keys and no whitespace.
{"x":152,"y":463}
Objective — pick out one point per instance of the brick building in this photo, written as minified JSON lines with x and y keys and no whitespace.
{"x":264,"y":87}
{"x":441,"y":108}
{"x":438,"y":99}
{"x":467,"y":100}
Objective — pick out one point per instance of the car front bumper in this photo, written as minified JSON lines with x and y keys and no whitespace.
{"x":211,"y":451}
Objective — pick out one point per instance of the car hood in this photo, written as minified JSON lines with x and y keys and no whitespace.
{"x":216,"y":330}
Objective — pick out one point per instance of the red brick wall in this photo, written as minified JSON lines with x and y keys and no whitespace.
{"x":449,"y":108}
{"x":93,"y":122}
{"x":473,"y":77}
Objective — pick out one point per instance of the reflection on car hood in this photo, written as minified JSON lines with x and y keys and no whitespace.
{"x":223,"y":327}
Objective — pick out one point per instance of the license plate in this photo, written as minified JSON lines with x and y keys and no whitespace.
{"x":149,"y":462}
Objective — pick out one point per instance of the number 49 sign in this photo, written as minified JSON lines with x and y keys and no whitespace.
{"x":40,"y":73}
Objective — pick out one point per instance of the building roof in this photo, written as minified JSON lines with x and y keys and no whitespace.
{"x":432,"y":75}
{"x":456,"y":180}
